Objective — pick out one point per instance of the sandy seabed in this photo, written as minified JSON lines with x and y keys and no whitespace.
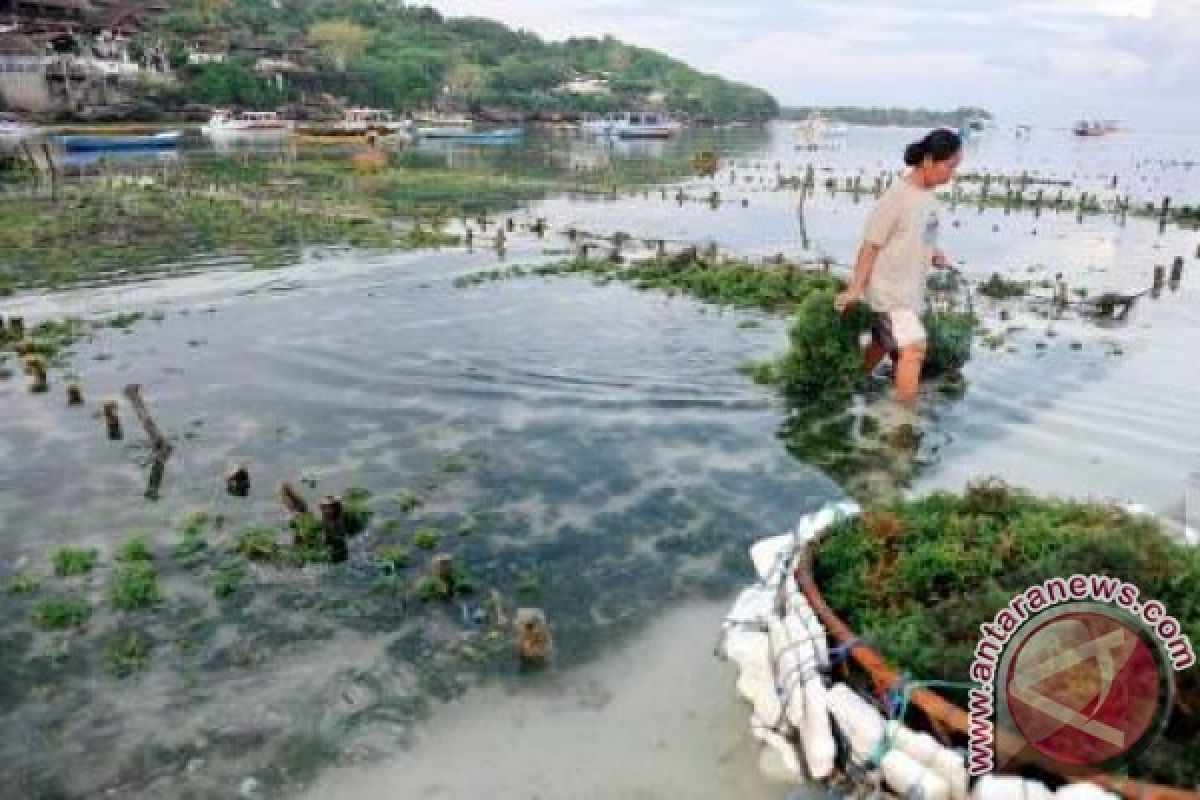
{"x":658,"y":718}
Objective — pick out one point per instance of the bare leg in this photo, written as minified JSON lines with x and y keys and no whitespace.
{"x":908,"y":374}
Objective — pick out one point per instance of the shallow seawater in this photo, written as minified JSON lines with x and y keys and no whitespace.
{"x":581,"y":447}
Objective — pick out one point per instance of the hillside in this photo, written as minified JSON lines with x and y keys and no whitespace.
{"x":381,"y":53}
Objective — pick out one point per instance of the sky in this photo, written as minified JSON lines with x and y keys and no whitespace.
{"x":1039,"y":61}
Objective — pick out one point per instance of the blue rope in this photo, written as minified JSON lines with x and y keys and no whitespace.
{"x":896,"y":701}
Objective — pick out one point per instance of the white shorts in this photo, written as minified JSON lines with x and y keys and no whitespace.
{"x":896,"y":330}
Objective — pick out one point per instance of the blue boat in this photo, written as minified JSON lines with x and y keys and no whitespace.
{"x":90,"y":143}
{"x":468,"y":136}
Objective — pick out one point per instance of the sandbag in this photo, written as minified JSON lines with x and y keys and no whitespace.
{"x":1083,"y":791}
{"x":751,"y":609}
{"x":796,"y":673}
{"x":772,"y":558}
{"x":1011,"y":787}
{"x":912,"y":760}
{"x":779,"y":759}
{"x":751,"y":652}
{"x":796,"y":604}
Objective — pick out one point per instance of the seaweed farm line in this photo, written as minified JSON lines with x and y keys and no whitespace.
{"x":575,"y":444}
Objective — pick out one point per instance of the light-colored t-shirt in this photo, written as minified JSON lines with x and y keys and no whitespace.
{"x":905,"y":226}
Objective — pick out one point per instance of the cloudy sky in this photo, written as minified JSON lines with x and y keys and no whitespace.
{"x":1045,"y":61}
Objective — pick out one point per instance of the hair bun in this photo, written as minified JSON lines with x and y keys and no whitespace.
{"x":915,"y":153}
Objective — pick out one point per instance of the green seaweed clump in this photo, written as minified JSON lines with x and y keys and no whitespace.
{"x":426,"y":538}
{"x":135,"y":548}
{"x":950,"y":334}
{"x":61,"y":613}
{"x":433,"y":587}
{"x":23,"y":583}
{"x":126,"y":654}
{"x":1000,"y":288}
{"x":392,"y":558}
{"x":259,"y":543}
{"x":229,"y":579}
{"x":70,"y":561}
{"x":824,"y":359}
{"x":135,"y":587}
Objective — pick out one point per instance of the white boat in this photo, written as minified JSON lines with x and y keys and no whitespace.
{"x":816,"y":129}
{"x":632,"y":125}
{"x":236,"y":123}
{"x":13,"y":130}
{"x":444,"y":127}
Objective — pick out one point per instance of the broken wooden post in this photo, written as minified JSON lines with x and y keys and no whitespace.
{"x":442,"y":567}
{"x":534,"y":642}
{"x":35,"y":367}
{"x":111,"y":420}
{"x":333,"y":524}
{"x":510,"y":225}
{"x":470,"y":238}
{"x":74,"y":394}
{"x":292,"y":500}
{"x":16,"y":328}
{"x":1037,"y":203}
{"x":162,"y":447}
{"x":237,"y":481}
{"x":1166,"y":207}
{"x":539,"y":227}
{"x":1160,"y":279}
{"x":1176,"y":272}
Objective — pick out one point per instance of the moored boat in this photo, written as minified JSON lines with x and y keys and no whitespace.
{"x":632,"y":125}
{"x":1095,"y":127}
{"x":359,"y":123}
{"x":95,"y":142}
{"x":235,"y":123}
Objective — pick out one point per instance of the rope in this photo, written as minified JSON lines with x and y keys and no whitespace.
{"x":897,"y":702}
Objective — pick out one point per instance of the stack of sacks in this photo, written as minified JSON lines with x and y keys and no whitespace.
{"x":1006,"y":787}
{"x":910,"y":762}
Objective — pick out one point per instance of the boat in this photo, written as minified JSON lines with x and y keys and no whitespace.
{"x":632,"y":125}
{"x":1095,"y":127}
{"x":90,"y":143}
{"x":257,"y":123}
{"x":359,"y":123}
{"x":13,"y":130}
{"x":499,"y":136}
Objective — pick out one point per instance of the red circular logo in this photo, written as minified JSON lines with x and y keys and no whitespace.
{"x":1085,"y":687}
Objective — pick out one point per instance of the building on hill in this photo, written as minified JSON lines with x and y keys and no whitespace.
{"x":71,"y":55}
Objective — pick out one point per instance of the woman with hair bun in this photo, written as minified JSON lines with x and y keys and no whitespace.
{"x":899,"y":246}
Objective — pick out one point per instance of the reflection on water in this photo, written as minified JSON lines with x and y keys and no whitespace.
{"x":587,"y":449}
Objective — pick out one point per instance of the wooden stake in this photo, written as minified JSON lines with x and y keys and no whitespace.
{"x":1177,"y":272}
{"x":333,"y":523}
{"x":292,"y":500}
{"x":37,"y":373}
{"x":16,"y":328}
{"x":162,"y":448}
{"x":74,"y":394}
{"x":111,"y":420}
{"x":237,"y":481}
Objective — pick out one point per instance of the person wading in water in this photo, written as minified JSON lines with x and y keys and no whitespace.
{"x":900,"y":244}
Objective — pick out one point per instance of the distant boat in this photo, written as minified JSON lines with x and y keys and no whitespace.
{"x":14,"y":130}
{"x":816,"y":128}
{"x":482,"y":137}
{"x":79,"y":143}
{"x":243,"y":123}
{"x":1096,"y":127}
{"x":632,"y":125}
{"x":359,"y":123}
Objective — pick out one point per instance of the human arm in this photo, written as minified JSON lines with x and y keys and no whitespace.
{"x":864,"y":266}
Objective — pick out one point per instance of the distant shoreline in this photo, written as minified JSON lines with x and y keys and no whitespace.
{"x":889,"y":117}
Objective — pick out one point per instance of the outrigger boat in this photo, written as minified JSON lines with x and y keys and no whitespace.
{"x":246,"y":123}
{"x":94,"y":142}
